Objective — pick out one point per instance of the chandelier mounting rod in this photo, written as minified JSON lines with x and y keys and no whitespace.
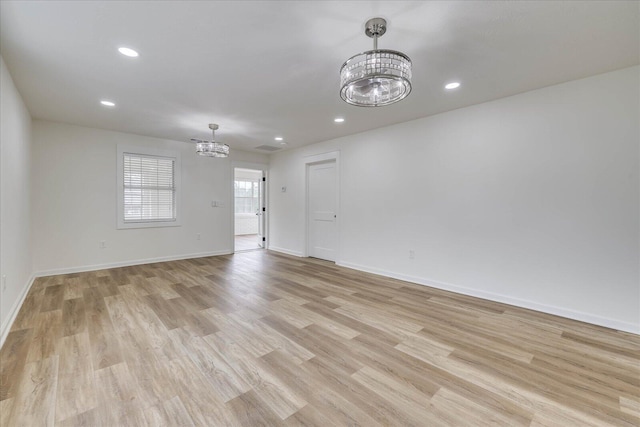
{"x":375,"y":28}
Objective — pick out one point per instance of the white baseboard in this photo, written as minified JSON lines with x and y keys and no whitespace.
{"x":532,"y":305}
{"x":286,"y":251}
{"x":6,"y":326}
{"x":94,"y":267}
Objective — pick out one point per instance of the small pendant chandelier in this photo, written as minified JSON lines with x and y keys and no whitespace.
{"x":211,"y":148}
{"x":376,"y":77}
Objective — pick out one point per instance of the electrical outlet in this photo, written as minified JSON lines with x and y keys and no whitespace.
{"x":4,"y":282}
{"x":412,"y":254}
{"x":103,"y":244}
{"x":198,"y":236}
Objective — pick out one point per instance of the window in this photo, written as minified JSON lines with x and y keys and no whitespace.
{"x":147,"y":188}
{"x":247,"y":196}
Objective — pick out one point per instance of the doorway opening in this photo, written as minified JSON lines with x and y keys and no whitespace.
{"x":249,"y":209}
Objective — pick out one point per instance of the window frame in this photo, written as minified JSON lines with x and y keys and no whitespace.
{"x":153,"y":152}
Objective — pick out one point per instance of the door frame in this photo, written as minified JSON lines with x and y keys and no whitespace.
{"x":332,"y":156}
{"x":232,"y":199}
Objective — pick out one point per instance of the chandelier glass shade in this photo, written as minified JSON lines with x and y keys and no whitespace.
{"x":211,"y":148}
{"x":376,"y":77}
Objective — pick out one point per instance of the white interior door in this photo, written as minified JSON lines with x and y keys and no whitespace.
{"x":322,"y":202}
{"x":261,"y":212}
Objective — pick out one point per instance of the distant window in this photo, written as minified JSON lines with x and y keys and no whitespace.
{"x":247,"y":196}
{"x":147,"y":188}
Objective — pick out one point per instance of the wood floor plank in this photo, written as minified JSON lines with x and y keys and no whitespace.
{"x":76,"y":392}
{"x":244,"y":336}
{"x":336,"y":409}
{"x":382,"y":410}
{"x":119,"y":402}
{"x":569,"y":390}
{"x":319,"y":346}
{"x":28,"y":313}
{"x":409,"y":400}
{"x":53,"y":297}
{"x":399,"y":329}
{"x":275,"y":340}
{"x":73,"y":317}
{"x":311,"y":317}
{"x":89,"y":418}
{"x":170,"y":313}
{"x":445,"y":403}
{"x":192,"y":296}
{"x":74,"y":288}
{"x":262,"y":338}
{"x":35,"y":401}
{"x":199,"y":324}
{"x":286,"y":310}
{"x":353,"y":324}
{"x":225,"y":382}
{"x":168,"y":414}
{"x":630,"y":405}
{"x":273,"y":392}
{"x":114,"y":384}
{"x":105,"y":346}
{"x":151,"y":375}
{"x":12,"y":360}
{"x":163,"y":287}
{"x":6,"y":406}
{"x":45,"y":335}
{"x":454,"y":337}
{"x":204,"y":408}
{"x":308,"y":416}
{"x":249,"y":411}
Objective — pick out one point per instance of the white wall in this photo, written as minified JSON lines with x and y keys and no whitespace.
{"x":15,"y":152}
{"x":74,"y":203}
{"x":531,"y":200}
{"x":246,"y":224}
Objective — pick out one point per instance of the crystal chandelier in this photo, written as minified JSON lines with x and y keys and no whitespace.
{"x":211,"y":148}
{"x":376,"y":77}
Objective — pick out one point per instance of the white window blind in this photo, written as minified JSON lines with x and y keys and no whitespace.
{"x":149,"y":188}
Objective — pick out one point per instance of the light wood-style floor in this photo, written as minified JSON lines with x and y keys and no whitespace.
{"x":259,"y":338}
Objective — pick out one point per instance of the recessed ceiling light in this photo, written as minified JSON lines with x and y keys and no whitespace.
{"x":452,"y":85}
{"x":108,"y":103}
{"x":338,"y":120}
{"x":278,"y":138}
{"x":128,"y":52}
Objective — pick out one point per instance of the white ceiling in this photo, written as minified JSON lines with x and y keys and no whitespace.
{"x":271,"y":68}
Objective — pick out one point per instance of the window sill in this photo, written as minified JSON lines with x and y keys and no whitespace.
{"x":153,"y":224}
